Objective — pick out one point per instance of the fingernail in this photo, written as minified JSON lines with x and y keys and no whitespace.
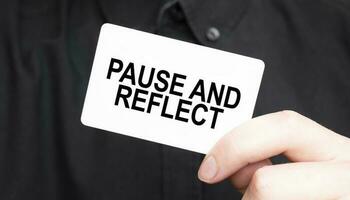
{"x":208,"y":169}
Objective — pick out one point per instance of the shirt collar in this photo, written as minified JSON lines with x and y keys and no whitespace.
{"x":201,"y":15}
{"x":221,"y":14}
{"x":136,"y":14}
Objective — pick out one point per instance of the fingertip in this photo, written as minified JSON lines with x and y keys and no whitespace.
{"x":208,"y":169}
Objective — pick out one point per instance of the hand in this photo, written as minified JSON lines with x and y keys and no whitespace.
{"x":320,"y":167}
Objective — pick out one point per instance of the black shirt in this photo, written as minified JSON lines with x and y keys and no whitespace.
{"x":46,"y":53}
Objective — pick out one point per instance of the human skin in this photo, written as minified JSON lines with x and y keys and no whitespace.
{"x":319,"y":167}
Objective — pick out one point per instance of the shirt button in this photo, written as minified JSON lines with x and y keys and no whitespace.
{"x":213,"y":34}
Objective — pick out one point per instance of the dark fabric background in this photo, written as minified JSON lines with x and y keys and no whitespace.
{"x":46,"y":53}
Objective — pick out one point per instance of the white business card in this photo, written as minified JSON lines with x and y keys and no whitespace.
{"x":168,"y":91}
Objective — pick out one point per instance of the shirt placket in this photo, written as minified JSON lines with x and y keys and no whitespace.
{"x":179,"y":167}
